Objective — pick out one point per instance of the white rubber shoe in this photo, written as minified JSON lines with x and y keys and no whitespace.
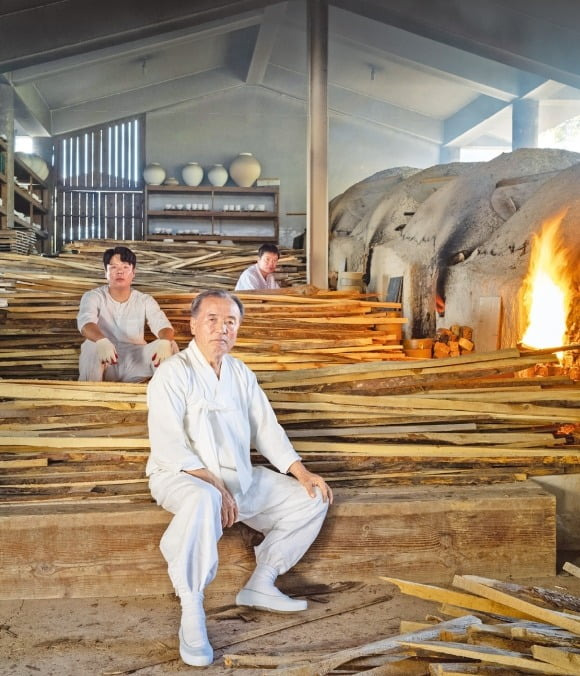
{"x":194,"y":646}
{"x":274,"y":602}
{"x":199,"y":656}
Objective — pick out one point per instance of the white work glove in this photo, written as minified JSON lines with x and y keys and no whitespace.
{"x":163,"y":350}
{"x":106,"y":351}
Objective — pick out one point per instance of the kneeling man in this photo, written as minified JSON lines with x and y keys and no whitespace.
{"x":112,"y":319}
{"x":206,"y":410}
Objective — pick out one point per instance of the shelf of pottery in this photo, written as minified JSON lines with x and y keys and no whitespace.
{"x":30,"y":202}
{"x":191,"y":211}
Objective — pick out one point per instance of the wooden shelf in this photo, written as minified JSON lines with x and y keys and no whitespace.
{"x":30,"y":199}
{"x":216,"y":222}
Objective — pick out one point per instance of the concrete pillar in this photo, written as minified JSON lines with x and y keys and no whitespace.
{"x":7,"y":130}
{"x":449,"y":154}
{"x":524,"y":124}
{"x":317,"y":151}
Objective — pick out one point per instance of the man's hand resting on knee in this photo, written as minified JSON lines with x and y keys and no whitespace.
{"x":310,"y":481}
{"x":229,"y":505}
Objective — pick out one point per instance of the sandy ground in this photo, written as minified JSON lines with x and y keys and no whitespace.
{"x":137,"y":635}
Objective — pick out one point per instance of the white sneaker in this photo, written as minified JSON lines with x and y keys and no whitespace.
{"x":275,"y":602}
{"x":198,"y":656}
{"x":194,"y":646}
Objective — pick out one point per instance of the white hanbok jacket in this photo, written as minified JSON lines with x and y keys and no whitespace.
{"x":199,"y":421}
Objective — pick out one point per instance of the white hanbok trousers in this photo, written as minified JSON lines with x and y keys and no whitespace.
{"x":276,"y":505}
{"x":134,"y":364}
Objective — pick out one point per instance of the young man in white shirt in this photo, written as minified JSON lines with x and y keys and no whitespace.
{"x":206,"y":410}
{"x":260,"y":276}
{"x":112,"y":318}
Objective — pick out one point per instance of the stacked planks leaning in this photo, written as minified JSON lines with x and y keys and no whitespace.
{"x":293,"y":328}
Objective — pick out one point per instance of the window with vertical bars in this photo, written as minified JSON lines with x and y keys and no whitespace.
{"x":99,"y":189}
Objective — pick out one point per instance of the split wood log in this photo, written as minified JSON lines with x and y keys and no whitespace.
{"x":331,"y":662}
{"x":489,"y":654}
{"x":484,"y":587}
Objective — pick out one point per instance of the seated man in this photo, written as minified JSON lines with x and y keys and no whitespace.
{"x":112,"y":319}
{"x":261,"y":274}
{"x":206,"y":410}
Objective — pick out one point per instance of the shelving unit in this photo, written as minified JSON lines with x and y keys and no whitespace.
{"x":30,"y":208}
{"x":3,"y":186}
{"x":209,"y":213}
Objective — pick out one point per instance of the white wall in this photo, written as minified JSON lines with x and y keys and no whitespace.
{"x":274,"y":129}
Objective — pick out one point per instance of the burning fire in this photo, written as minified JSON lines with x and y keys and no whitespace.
{"x":547,"y":289}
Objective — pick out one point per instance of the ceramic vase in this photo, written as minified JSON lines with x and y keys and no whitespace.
{"x":192,"y":173}
{"x":218,"y":175}
{"x":154,"y":174}
{"x":245,"y":169}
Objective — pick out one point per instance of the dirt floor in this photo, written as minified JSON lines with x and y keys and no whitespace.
{"x":138,"y":635}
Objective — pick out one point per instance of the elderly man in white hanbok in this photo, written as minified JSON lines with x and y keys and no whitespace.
{"x":112,"y":318}
{"x":206,"y":410}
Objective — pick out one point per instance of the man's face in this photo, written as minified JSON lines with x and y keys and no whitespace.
{"x":119,"y":274}
{"x":267,"y":263}
{"x":215,"y":328}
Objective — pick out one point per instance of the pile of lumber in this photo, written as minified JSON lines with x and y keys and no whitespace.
{"x":68,"y":441}
{"x":495,"y":628}
{"x":293,"y":328}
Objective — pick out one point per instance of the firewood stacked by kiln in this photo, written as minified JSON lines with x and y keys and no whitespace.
{"x":454,"y":341}
{"x":67,"y":441}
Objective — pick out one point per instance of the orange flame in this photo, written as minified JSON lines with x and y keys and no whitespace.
{"x":547,"y":289}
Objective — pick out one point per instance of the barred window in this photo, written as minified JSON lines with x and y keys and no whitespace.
{"x":99,"y":189}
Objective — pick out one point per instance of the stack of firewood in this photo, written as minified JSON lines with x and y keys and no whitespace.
{"x":294,"y":328}
{"x":453,"y":341}
{"x":361,"y":424}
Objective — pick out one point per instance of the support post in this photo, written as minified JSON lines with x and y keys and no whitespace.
{"x":7,"y":130}
{"x":317,"y":151}
{"x":524,"y":124}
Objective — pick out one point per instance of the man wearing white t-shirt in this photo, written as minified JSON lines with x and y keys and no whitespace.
{"x":112,"y":318}
{"x":260,"y":276}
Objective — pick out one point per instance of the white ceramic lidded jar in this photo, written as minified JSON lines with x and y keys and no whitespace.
{"x":245,"y":170}
{"x":218,"y":175}
{"x":154,"y":174}
{"x":192,"y":174}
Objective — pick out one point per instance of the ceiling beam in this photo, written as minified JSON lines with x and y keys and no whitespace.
{"x":272,"y":18}
{"x":528,"y":35}
{"x":143,"y":100}
{"x":449,"y":63}
{"x":345,"y":102}
{"x":53,"y":30}
{"x":135,"y":48}
{"x":471,"y":121}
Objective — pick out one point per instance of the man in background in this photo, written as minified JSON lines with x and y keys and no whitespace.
{"x":112,"y":318}
{"x":260,"y":276}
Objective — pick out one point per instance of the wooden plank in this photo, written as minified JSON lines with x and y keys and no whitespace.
{"x":331,"y":662}
{"x":491,"y":655}
{"x":467,"y":601}
{"x":558,"y":657}
{"x":482,"y":587}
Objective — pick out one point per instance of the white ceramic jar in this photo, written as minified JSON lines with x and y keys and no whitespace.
{"x":154,"y":174}
{"x":192,"y":173}
{"x":218,"y":175}
{"x":245,"y":170}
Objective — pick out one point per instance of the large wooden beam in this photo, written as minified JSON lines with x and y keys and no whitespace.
{"x":421,"y":533}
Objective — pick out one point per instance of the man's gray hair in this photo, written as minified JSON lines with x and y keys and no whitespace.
{"x":215,"y":293}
